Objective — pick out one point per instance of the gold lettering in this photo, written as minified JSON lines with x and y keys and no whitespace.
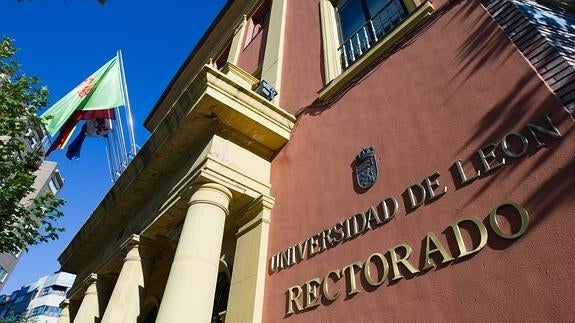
{"x":387,"y":215}
{"x":285,"y":258}
{"x":394,"y":261}
{"x":292,"y":255}
{"x":347,"y":229}
{"x":431,"y":238}
{"x":313,"y":245}
{"x":506,"y":149}
{"x":357,"y":229}
{"x":325,"y":287}
{"x":462,"y":177}
{"x":351,"y":277}
{"x":553,"y":132}
{"x":432,"y":183}
{"x":294,"y":294}
{"x":326,"y":241}
{"x":459,"y":238}
{"x":339,"y":235}
{"x":273,"y":264}
{"x":301,"y":250}
{"x":312,"y":293}
{"x":373,"y":219}
{"x":524,"y":216}
{"x":367,"y":270}
{"x":487,"y":165}
{"x":414,"y":202}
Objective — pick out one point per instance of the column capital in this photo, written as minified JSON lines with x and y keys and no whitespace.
{"x":90,"y":282}
{"x":131,"y":245}
{"x":65,"y":303}
{"x":257,"y":211}
{"x":64,"y":316}
{"x":79,"y":289}
{"x":211,"y":193}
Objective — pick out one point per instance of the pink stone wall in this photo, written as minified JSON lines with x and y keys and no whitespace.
{"x":459,"y":85}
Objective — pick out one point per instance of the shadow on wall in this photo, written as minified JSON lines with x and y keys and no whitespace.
{"x":485,"y":43}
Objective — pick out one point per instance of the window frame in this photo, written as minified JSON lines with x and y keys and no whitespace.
{"x":357,"y":43}
{"x":3,"y":274}
{"x":335,"y":76}
{"x":257,"y":22}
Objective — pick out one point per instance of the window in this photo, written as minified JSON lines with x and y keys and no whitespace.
{"x":363,"y":22}
{"x":52,"y":311}
{"x":222,"y":57}
{"x":355,"y":33}
{"x":46,"y":310}
{"x":54,"y":290}
{"x":45,"y":291}
{"x":37,"y":311}
{"x":3,"y":274}
{"x":53,"y":186}
{"x":32,"y":140}
{"x":258,"y":22}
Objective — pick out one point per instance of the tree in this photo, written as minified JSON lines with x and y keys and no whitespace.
{"x":25,"y":219}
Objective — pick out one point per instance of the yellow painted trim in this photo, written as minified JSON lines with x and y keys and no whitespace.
{"x":357,"y":67}
{"x":330,"y":39}
{"x":237,"y":41}
{"x":219,"y":172}
{"x":238,"y":74}
{"x":411,"y":5}
{"x":273,"y":56}
{"x":270,"y":111}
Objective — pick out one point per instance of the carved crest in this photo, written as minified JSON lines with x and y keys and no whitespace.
{"x":366,"y":168}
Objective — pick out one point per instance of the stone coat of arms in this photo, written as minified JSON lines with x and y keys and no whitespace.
{"x":366,"y":168}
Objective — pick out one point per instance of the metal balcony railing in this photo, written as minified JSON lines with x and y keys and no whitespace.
{"x":372,"y":31}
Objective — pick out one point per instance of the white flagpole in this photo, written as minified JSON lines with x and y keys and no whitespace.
{"x":109,"y":160}
{"x":130,"y":121}
{"x":121,"y":139}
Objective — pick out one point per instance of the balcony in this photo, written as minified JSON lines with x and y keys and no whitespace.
{"x":372,"y":31}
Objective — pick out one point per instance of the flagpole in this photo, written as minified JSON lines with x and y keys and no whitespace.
{"x":121,"y":138}
{"x":118,"y":149}
{"x":130,"y":121}
{"x":109,"y":160}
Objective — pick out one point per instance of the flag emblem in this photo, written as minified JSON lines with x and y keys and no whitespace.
{"x":85,"y":87}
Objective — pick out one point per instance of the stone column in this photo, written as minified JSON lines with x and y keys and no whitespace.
{"x":89,"y":310}
{"x":189,"y":293}
{"x":124,"y":304}
{"x":65,"y":313}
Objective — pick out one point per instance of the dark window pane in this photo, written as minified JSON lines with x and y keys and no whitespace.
{"x":374,"y":6}
{"x":351,"y":18}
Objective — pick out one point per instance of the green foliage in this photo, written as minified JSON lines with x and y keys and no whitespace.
{"x":12,"y":318}
{"x":24,"y":220}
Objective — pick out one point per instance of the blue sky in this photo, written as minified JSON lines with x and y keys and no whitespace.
{"x":63,"y":42}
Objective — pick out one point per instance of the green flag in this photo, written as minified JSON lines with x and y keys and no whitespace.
{"x":101,"y":90}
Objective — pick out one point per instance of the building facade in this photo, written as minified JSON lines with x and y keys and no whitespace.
{"x":48,"y":179}
{"x":38,"y":301}
{"x":404,"y":160}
